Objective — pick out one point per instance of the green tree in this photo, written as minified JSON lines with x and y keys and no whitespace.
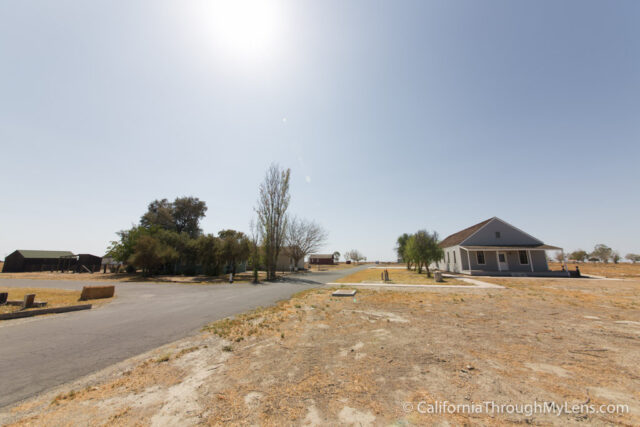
{"x":422,"y":249}
{"x":187,"y":213}
{"x":186,"y":248}
{"x":401,"y":246}
{"x":602,"y":252}
{"x":150,"y":254}
{"x":122,"y":249}
{"x":235,"y":247}
{"x":633,"y":257}
{"x":159,"y":213}
{"x":578,"y":255}
{"x":208,"y":254}
{"x":183,"y":215}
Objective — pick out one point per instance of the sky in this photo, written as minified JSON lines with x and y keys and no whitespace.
{"x":393,"y":116}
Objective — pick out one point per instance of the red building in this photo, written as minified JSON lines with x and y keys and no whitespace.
{"x":323,"y":259}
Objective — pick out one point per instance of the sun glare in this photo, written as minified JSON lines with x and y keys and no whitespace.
{"x":244,"y":28}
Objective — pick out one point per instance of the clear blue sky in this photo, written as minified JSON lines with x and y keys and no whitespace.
{"x":392,"y":115}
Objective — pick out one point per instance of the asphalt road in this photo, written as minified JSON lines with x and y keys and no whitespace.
{"x":42,"y":352}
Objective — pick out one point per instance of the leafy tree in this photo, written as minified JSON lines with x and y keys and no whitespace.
{"x":602,"y":252}
{"x":578,"y":255}
{"x":303,"y":238}
{"x":186,"y":249}
{"x":401,"y":246}
{"x":187,"y":213}
{"x":234,"y":248}
{"x":122,"y":249}
{"x":159,"y":213}
{"x":633,"y":257}
{"x":273,"y":202}
{"x":183,"y":215}
{"x":208,"y":250}
{"x":422,"y":249}
{"x":150,"y":254}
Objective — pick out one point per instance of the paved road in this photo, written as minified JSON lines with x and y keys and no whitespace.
{"x":42,"y":352}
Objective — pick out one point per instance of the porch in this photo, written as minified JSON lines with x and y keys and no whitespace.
{"x":508,"y":261}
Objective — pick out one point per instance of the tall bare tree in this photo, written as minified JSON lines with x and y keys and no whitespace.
{"x":254,"y":238}
{"x":354,"y":255}
{"x":273,"y":202}
{"x":303,"y":237}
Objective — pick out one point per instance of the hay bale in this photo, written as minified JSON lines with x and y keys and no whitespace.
{"x":96,"y":292}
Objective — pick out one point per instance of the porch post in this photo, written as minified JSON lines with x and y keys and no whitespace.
{"x":468,"y":261}
{"x":530,"y":259}
{"x":498,"y":261}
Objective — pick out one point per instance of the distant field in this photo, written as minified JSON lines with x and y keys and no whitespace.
{"x":620,"y":270}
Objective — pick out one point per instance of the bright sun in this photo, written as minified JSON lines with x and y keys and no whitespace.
{"x":247,"y":29}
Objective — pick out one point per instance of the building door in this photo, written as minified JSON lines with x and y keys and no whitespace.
{"x":502,"y":261}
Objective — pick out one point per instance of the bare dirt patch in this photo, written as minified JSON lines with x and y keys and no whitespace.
{"x":401,"y":276}
{"x":321,"y":360}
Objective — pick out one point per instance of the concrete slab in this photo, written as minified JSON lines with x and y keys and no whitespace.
{"x":344,"y":293}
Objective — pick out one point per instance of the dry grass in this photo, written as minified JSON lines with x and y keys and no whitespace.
{"x":335,"y":267}
{"x":620,"y":270}
{"x":317,"y":359}
{"x":53,"y":297}
{"x":403,"y":276}
{"x":245,"y":277}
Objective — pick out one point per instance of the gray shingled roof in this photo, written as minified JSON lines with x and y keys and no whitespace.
{"x":462,"y":235}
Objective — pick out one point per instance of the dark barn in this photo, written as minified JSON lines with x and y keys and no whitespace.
{"x":90,"y":262}
{"x":27,"y":260}
{"x":324,"y":259}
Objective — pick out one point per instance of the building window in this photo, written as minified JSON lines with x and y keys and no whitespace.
{"x":497,"y":234}
{"x":524,"y":259}
{"x":448,"y":258}
{"x":480,"y":257}
{"x":454,"y":257}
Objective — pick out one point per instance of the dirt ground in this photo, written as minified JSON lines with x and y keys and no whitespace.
{"x":400,"y":276}
{"x":620,"y":270}
{"x":382,"y":358}
{"x":245,"y":277}
{"x":53,"y":298}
